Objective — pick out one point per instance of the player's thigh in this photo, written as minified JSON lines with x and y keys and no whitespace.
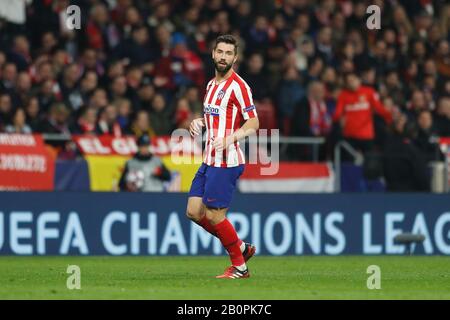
{"x":220,"y":186}
{"x":195,"y":208}
{"x":198,"y":183}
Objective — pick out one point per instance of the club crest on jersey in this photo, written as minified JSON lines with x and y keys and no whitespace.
{"x":221,"y":94}
{"x":211,"y":110}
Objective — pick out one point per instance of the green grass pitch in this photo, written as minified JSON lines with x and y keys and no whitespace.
{"x":308,"y":277}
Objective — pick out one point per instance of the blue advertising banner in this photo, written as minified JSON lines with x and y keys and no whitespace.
{"x":59,"y":223}
{"x":72,"y":175}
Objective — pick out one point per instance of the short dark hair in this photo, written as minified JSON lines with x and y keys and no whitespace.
{"x":227,"y":38}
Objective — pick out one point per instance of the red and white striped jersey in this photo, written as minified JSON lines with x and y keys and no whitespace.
{"x":224,"y":106}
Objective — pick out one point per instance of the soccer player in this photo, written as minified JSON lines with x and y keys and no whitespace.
{"x":228,"y":101}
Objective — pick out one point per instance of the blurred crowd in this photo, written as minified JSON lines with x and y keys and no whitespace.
{"x":140,"y":66}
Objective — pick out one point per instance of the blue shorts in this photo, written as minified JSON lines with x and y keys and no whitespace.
{"x":215,"y":185}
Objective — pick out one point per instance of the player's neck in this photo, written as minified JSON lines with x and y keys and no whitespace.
{"x":223,"y":77}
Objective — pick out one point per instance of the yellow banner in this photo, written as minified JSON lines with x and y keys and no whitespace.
{"x":185,"y":167}
{"x":105,"y":171}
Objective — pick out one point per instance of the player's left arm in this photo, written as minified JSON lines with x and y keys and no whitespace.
{"x":249,"y":128}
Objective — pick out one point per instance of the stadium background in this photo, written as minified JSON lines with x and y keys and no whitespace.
{"x":72,"y":103}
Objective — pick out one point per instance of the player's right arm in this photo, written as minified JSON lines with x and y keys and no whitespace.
{"x":196,"y":126}
{"x":379,"y":107}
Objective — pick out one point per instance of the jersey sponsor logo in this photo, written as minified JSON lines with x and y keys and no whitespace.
{"x":250,"y":108}
{"x":357,"y":106}
{"x":211,"y":110}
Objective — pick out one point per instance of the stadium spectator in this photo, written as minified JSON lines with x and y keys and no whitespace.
{"x":100,"y":33}
{"x":289,"y":92}
{"x":20,"y":53}
{"x":98,"y":99}
{"x":145,"y":94}
{"x":119,"y":88}
{"x":258,"y":35}
{"x":90,"y":60}
{"x":115,"y":68}
{"x":88,"y":84}
{"x":159,"y":117}
{"x":442,"y":117}
{"x":394,"y":87}
{"x":324,"y":44}
{"x":256,"y":77}
{"x":69,"y":87}
{"x":9,"y":76}
{"x":417,"y":103}
{"x":87,"y":122}
{"x":329,"y":78}
{"x":426,"y":139}
{"x":187,"y":67}
{"x":141,"y":125}
{"x":443,"y":58}
{"x":49,"y":43}
{"x":22,"y":88}
{"x":310,"y":119}
{"x":108,"y":123}
{"x":183,"y":114}
{"x":5,"y":110}
{"x":32,"y":113}
{"x":404,"y":166}
{"x":57,"y":121}
{"x":137,"y":48}
{"x":354,"y":110}
{"x":144,"y":172}
{"x":47,"y":95}
{"x":160,"y":16}
{"x":192,"y":96}
{"x":131,"y":19}
{"x":124,"y":111}
{"x":19,"y":124}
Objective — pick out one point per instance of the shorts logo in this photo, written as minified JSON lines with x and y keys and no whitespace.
{"x":220,"y":94}
{"x":211,"y":110}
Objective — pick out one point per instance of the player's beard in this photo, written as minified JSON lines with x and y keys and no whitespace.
{"x":222,"y":69}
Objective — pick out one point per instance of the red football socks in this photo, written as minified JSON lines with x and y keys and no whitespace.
{"x":207,"y":226}
{"x":229,"y":239}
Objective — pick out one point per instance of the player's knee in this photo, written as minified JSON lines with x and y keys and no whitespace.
{"x":194,"y":215}
{"x":209,"y":216}
{"x":215,"y":215}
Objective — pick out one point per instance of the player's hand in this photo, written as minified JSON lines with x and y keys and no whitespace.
{"x":220,"y":144}
{"x":196,"y":126}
